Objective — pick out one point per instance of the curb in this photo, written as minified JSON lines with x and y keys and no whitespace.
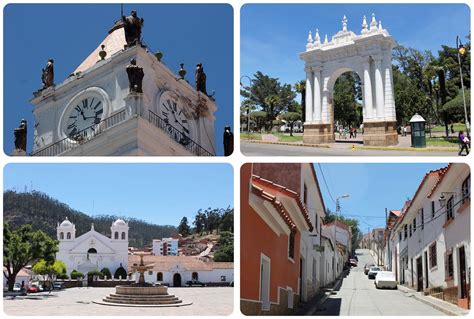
{"x":287,"y":143}
{"x":407,"y":149}
{"x":430,"y":303}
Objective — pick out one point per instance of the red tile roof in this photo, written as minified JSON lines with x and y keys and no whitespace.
{"x":263,"y":183}
{"x":166,"y":263}
{"x":276,"y":204}
{"x":442,"y":173}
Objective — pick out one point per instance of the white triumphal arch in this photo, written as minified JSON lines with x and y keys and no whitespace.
{"x":368,"y":55}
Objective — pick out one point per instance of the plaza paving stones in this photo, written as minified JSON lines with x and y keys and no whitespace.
{"x":212,"y":301}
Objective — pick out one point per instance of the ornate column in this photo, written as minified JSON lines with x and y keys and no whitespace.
{"x":390,"y":114}
{"x":309,"y":95}
{"x":379,"y":96}
{"x":367,"y":92}
{"x":317,"y":116}
{"x":325,"y":102}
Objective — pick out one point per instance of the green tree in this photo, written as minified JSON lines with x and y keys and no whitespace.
{"x":199,"y":222}
{"x":106,"y":273}
{"x":259,"y":117}
{"x":269,"y":95}
{"x":225,"y":253}
{"x":300,"y":87}
{"x":120,"y":273}
{"x":183,"y":227}
{"x":76,"y":274}
{"x":51,"y":270}
{"x":345,"y":105}
{"x":352,"y":222}
{"x":227,"y":220}
{"x":22,"y":247}
{"x":291,"y":118}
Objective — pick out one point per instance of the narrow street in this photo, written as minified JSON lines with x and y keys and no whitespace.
{"x":357,"y":296}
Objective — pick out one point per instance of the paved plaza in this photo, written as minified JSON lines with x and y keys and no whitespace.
{"x":213,"y":301}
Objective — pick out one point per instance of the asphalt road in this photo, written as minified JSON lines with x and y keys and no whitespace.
{"x":257,"y":149}
{"x":357,"y":296}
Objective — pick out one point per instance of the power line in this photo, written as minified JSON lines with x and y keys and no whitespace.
{"x":325,"y":183}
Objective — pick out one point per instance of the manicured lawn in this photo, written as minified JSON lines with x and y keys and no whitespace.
{"x":251,"y":136}
{"x":457,"y":127}
{"x":288,"y":138}
{"x":442,"y":141}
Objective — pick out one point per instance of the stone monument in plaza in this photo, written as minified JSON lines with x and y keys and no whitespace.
{"x":369,"y":55}
{"x":142,"y":294}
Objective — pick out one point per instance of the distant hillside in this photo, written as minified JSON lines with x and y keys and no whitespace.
{"x":44,"y":212}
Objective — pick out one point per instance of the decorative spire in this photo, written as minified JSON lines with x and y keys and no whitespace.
{"x":364,"y":25}
{"x":326,"y":39}
{"x":309,"y":43}
{"x":373,"y":23}
{"x":344,"y":24}
{"x":317,"y":39}
{"x":380,"y":25}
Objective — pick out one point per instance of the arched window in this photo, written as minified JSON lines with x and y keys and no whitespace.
{"x":123,"y":235}
{"x":68,"y":235}
{"x":61,"y":235}
{"x":194,"y":276}
{"x":116,"y":235}
{"x":159,"y":276}
{"x":91,"y":251}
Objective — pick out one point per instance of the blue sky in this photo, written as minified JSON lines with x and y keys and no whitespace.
{"x":272,"y":35}
{"x":371,"y":188}
{"x":185,"y":33}
{"x":157,"y":193}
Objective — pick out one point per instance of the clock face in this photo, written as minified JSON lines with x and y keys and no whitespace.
{"x":84,"y":115}
{"x":172,"y":114}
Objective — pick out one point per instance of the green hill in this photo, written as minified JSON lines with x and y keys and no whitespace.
{"x":44,"y":212}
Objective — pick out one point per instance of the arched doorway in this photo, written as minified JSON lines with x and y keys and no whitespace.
{"x":177,"y":280}
{"x":369,"y":56}
{"x":91,"y":251}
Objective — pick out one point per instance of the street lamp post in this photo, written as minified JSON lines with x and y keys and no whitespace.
{"x":461,"y":50}
{"x":338,"y":209}
{"x":248,"y":112}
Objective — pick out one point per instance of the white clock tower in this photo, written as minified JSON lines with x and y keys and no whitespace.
{"x":95,"y":112}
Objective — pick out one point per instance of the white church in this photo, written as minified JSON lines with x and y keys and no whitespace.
{"x":92,"y":250}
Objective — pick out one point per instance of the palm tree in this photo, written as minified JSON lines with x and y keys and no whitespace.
{"x":272,"y":101}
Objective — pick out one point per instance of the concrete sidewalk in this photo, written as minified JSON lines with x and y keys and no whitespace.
{"x":438,"y":304}
{"x":310,"y":307}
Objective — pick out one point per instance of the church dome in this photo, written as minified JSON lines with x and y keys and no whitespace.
{"x":65,"y":223}
{"x":119,"y":222}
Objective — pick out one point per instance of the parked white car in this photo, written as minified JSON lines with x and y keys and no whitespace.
{"x":373,"y":272}
{"x":385,"y":279}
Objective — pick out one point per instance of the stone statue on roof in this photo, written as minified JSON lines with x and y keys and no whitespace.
{"x":47,"y":76}
{"x":200,"y":78}
{"x":133,"y":28}
{"x":135,"y":77}
{"x":20,"y":136}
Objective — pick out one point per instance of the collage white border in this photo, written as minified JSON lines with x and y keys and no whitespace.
{"x":237,"y":158}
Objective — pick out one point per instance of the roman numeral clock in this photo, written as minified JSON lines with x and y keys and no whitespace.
{"x":82,"y":115}
{"x":175,"y":115}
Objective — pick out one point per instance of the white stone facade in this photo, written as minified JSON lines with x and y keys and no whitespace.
{"x":367,"y":54}
{"x":92,"y":250}
{"x":431,"y":241}
{"x":107,"y":80}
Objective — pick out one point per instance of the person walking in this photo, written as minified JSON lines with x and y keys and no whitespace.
{"x":464,"y":143}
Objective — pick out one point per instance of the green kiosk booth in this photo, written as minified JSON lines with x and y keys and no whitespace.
{"x":418,"y":137}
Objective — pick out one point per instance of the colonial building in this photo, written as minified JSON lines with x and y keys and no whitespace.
{"x":430,"y":242}
{"x":282,"y":247}
{"x":92,"y":250}
{"x":341,"y":235}
{"x":175,"y":271}
{"x":122,"y":100}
